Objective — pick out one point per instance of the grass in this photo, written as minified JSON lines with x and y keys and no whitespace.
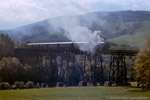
{"x":74,"y":93}
{"x":136,"y":40}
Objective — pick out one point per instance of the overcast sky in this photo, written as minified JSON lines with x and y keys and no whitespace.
{"x":14,"y":13}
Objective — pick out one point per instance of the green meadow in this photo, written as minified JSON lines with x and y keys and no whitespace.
{"x":76,"y":93}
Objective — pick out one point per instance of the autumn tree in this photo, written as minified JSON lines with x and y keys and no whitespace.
{"x":12,"y":70}
{"x":142,"y":66}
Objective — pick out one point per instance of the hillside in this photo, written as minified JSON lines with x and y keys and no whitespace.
{"x":122,"y":27}
{"x":137,"y":39}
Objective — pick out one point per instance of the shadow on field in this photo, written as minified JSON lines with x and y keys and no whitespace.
{"x":135,"y":89}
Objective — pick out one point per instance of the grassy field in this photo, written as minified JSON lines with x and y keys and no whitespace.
{"x":136,"y":40}
{"x":75,"y":93}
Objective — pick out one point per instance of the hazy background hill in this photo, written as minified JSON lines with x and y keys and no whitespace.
{"x":122,"y":27}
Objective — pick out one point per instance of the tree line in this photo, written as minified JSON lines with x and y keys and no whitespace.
{"x":11,"y":70}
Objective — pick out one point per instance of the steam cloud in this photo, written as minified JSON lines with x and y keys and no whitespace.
{"x":77,"y":33}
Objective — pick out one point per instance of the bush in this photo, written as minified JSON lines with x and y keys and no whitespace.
{"x":19,"y":85}
{"x":13,"y":87}
{"x":38,"y":85}
{"x":4,"y":86}
{"x":29,"y":84}
{"x":43,"y":85}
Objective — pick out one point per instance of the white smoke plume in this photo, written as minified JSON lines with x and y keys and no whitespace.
{"x":78,"y":33}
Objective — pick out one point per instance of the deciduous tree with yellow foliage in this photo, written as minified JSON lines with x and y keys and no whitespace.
{"x":142,"y":66}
